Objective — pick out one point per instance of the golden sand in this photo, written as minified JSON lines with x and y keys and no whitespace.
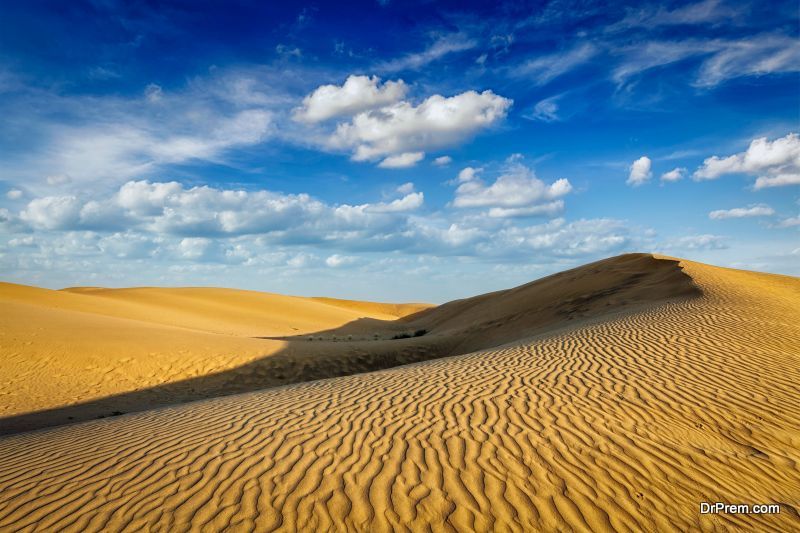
{"x":638,"y":389}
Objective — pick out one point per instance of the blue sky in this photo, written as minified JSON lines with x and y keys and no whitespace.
{"x":392,"y":150}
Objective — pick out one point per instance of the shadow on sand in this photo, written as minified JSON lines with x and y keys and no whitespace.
{"x":574,"y":298}
{"x":300,"y":360}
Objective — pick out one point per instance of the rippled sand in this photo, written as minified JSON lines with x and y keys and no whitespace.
{"x":624,"y":421}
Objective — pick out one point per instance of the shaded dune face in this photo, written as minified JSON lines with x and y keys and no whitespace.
{"x":137,"y":349}
{"x":620,"y":421}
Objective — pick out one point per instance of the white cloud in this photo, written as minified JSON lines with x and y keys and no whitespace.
{"x":778,"y":180}
{"x":14,"y":194}
{"x":58,"y":179}
{"x":639,"y":171}
{"x":143,"y":197}
{"x":124,"y":151}
{"x":707,"y":11}
{"x":53,"y":212}
{"x":790,"y":222}
{"x":760,"y":210}
{"x":193,"y":247}
{"x":336,"y":260}
{"x":88,"y":140}
{"x":442,"y":161}
{"x":443,"y":46}
{"x":676,"y":174}
{"x":402,"y":127}
{"x":778,"y":160}
{"x":697,"y":242}
{"x":406,"y":188}
{"x":559,"y":238}
{"x":358,"y":93}
{"x":409,"y":202}
{"x":22,"y":242}
{"x":546,"y":110}
{"x":468,"y":174}
{"x":759,"y":56}
{"x":546,"y":68}
{"x":171,"y":209}
{"x":404,"y":160}
{"x":723,"y":59}
{"x":518,"y":192}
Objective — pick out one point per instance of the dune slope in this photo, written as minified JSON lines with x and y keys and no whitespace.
{"x":70,"y":347}
{"x":619,"y":424}
{"x":86,"y":353}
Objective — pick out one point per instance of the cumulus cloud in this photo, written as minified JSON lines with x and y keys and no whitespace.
{"x":404,"y":160}
{"x":193,"y":247}
{"x":569,"y":239}
{"x":170,"y":208}
{"x":401,"y":127}
{"x":777,"y":161}
{"x":639,"y":171}
{"x":53,"y":212}
{"x":358,"y":93}
{"x":409,"y":202}
{"x":406,"y":188}
{"x":760,"y":210}
{"x":778,"y":180}
{"x":517,"y":192}
{"x":14,"y":194}
{"x":443,"y":160}
{"x":468,"y":174}
{"x":676,"y":174}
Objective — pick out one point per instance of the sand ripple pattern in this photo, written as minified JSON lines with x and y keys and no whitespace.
{"x":625,"y":425}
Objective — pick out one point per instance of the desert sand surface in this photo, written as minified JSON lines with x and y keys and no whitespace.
{"x":616,"y":396}
{"x":106,"y":351}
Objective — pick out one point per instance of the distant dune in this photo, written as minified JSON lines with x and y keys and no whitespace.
{"x":84,"y":347}
{"x":615,"y":396}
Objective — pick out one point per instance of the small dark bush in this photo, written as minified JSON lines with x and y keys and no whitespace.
{"x":418,"y":333}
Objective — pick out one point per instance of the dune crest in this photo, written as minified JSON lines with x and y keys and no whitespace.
{"x":627,"y":423}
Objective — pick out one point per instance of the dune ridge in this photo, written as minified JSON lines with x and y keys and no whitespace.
{"x":621,"y":424}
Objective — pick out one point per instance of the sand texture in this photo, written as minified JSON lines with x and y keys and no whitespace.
{"x":617,"y":396}
{"x":85,"y":353}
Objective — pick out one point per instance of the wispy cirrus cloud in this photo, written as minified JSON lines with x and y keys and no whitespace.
{"x":441,"y":46}
{"x":545,"y":68}
{"x":720,"y":59}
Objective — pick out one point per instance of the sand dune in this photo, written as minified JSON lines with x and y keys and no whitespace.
{"x":63,"y":348}
{"x":136,"y":349}
{"x":673,"y":383}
